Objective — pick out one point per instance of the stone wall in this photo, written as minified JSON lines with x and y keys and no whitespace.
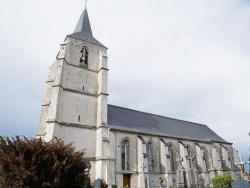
{"x":199,"y":164}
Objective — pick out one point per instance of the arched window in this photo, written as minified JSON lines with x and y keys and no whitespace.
{"x":218,"y":154}
{"x":216,"y":158}
{"x":84,"y":56}
{"x":172,"y":156}
{"x":206,"y":159}
{"x":125,"y":155}
{"x":150,"y":155}
{"x":191,"y":157}
{"x":225,"y":154}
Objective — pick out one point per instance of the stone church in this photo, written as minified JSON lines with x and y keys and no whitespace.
{"x":124,"y":146}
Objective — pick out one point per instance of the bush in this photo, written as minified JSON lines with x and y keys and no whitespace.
{"x":33,"y":163}
{"x":222,"y":181}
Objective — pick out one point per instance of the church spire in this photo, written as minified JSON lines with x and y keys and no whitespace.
{"x":83,"y":29}
{"x":83,"y":25}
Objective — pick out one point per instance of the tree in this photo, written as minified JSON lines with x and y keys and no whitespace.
{"x":222,"y":181}
{"x":29,"y":163}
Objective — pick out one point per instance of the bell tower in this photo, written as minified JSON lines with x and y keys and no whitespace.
{"x":75,"y":102}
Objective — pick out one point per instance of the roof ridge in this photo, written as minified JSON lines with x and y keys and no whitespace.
{"x":156,"y":115}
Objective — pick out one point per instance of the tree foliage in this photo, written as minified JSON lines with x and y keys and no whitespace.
{"x":29,"y":163}
{"x":222,"y":181}
{"x":2,"y":139}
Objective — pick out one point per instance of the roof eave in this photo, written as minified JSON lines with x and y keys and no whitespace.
{"x":99,"y":44}
{"x":169,"y":136}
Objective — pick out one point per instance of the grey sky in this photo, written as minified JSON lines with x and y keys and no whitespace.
{"x":183,"y":59}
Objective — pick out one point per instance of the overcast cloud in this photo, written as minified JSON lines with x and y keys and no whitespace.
{"x":182,"y":59}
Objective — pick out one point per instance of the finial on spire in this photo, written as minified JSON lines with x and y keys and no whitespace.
{"x":86,"y":4}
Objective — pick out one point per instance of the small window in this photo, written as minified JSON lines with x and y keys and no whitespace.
{"x":125,"y":155}
{"x":150,"y":155}
{"x":84,"y":56}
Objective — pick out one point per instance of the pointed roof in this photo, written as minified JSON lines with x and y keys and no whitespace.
{"x":83,"y":30}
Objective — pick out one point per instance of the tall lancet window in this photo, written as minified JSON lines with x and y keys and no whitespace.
{"x":190,"y":157}
{"x":206,"y":159}
{"x":171,"y":152}
{"x":150,"y":155}
{"x":218,"y":154}
{"x":84,"y":56}
{"x":125,"y":155}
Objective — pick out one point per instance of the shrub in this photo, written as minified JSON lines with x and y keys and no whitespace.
{"x":222,"y":181}
{"x":33,"y":163}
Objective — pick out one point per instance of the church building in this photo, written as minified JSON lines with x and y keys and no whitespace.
{"x":125,"y":147}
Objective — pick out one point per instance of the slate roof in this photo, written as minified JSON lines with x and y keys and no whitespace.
{"x":83,"y":30}
{"x":140,"y":122}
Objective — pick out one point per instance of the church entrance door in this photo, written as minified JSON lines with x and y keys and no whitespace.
{"x":126,"y":180}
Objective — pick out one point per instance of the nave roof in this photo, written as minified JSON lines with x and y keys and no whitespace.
{"x":125,"y":119}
